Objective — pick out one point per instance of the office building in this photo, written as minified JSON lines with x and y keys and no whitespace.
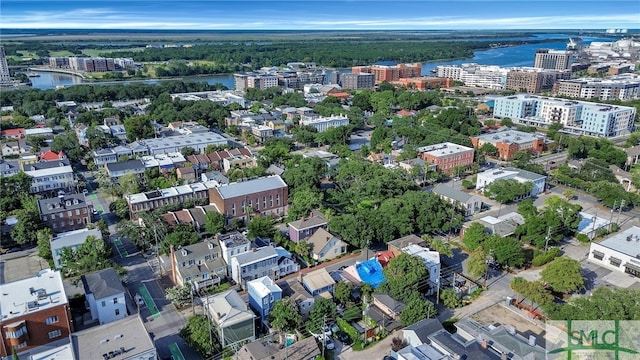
{"x":322,"y":123}
{"x":390,"y":73}
{"x":620,"y":252}
{"x":357,"y":81}
{"x":447,"y":156}
{"x":552,"y":59}
{"x":5,"y":76}
{"x":522,"y":176}
{"x":534,"y":80}
{"x":509,"y":142}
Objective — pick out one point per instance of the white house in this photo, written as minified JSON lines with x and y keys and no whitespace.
{"x":469,"y":202}
{"x":619,"y":252}
{"x":431,"y":260}
{"x":231,"y":244}
{"x":105,"y":295}
{"x":233,"y":321}
{"x":326,"y":246}
{"x":322,"y":123}
{"x":50,"y":175}
{"x":522,"y":176}
{"x":70,"y":239}
{"x":255,"y":264}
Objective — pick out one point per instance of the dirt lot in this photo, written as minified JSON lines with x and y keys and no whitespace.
{"x":499,"y":314}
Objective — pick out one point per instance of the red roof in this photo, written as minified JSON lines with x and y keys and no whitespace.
{"x":404,"y":113}
{"x":52,"y":155}
{"x":13,"y":132}
{"x":384,"y":257}
{"x":342,"y":95}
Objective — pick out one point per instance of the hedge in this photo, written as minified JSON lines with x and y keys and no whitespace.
{"x":348,"y":329}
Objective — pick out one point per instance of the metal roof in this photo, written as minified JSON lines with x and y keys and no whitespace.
{"x":251,"y":186}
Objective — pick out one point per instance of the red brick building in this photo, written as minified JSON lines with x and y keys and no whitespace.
{"x":266,"y":195}
{"x":34,"y":312}
{"x":510,"y":142}
{"x":390,"y":73}
{"x":447,"y":156}
{"x":65,"y":212}
{"x":425,"y":83}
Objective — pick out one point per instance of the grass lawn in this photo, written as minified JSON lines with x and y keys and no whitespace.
{"x":26,"y":54}
{"x":61,"y":53}
{"x":98,"y":52}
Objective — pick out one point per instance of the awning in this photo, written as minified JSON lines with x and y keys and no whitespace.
{"x":597,"y":253}
{"x":632,"y":267}
{"x":615,"y":260}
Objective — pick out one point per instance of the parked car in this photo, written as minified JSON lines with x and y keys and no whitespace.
{"x":328,"y":343}
{"x":139,"y":300}
{"x":325,"y":331}
{"x":334,"y":328}
{"x":344,"y":338}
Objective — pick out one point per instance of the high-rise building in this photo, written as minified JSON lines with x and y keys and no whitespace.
{"x":622,"y":87}
{"x":5,"y":77}
{"x":534,"y":80}
{"x":552,"y":59}
{"x":357,"y":81}
{"x":390,"y":73}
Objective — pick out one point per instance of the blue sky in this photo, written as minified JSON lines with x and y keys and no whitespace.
{"x":320,"y":15}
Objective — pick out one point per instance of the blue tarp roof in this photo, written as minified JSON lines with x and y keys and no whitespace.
{"x":370,"y":272}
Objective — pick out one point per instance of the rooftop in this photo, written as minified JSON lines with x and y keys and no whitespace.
{"x":125,"y":165}
{"x":256,"y":255}
{"x":180,"y":141}
{"x":263,"y":286}
{"x":40,"y":292}
{"x":626,"y":242}
{"x":232,"y":239}
{"x":425,"y":254}
{"x":74,"y":237}
{"x":128,"y":334}
{"x":228,"y":308}
{"x":509,"y":136}
{"x":405,"y":241}
{"x":103,"y":283}
{"x":251,"y":186}
{"x":318,"y":279}
{"x":62,"y":203}
{"x":451,"y":193}
{"x":443,"y":149}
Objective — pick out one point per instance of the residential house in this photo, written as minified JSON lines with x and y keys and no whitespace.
{"x":504,"y":225}
{"x":34,"y":311}
{"x":155,"y":199}
{"x":9,"y":167}
{"x":201,"y":264}
{"x":125,"y":339}
{"x":431,"y":260}
{"x":50,"y":155}
{"x":522,"y":176}
{"x":16,"y":134}
{"x":199,"y":161}
{"x":266,"y":195}
{"x":187,"y":173}
{"x":231,"y":244}
{"x":470,"y":203}
{"x":633,"y":155}
{"x":238,"y":162}
{"x":261,"y":350}
{"x":105,"y":295}
{"x":119,"y":169}
{"x":216,"y":159}
{"x":326,"y":246}
{"x":233,"y":321}
{"x":397,"y":245}
{"x":318,"y":281}
{"x":418,"y":333}
{"x":385,"y":311}
{"x":263,"y":294}
{"x":12,"y":148}
{"x":215,"y":176}
{"x":104,"y":156}
{"x":254,"y":264}
{"x":65,"y":212}
{"x":50,"y":175}
{"x":70,"y":239}
{"x":306,"y":226}
{"x":300,"y":296}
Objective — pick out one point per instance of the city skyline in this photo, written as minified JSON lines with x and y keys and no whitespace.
{"x":321,"y":15}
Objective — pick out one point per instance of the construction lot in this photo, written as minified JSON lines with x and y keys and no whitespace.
{"x":511,"y":316}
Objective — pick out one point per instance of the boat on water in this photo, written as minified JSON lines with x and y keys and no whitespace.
{"x":33,"y":74}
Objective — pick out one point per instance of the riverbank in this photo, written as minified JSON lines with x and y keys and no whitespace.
{"x":59,"y":71}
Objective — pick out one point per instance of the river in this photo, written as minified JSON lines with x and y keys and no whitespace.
{"x":521,"y":55}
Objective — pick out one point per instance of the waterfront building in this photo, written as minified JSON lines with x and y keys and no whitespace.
{"x":534,"y":80}
{"x":552,"y":59}
{"x":621,"y":87}
{"x":357,"y":81}
{"x":390,"y":73}
{"x":5,"y":77}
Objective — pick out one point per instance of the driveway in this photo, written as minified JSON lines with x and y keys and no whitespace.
{"x":375,"y":352}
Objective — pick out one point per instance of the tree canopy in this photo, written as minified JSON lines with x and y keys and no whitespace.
{"x":284,"y":315}
{"x":563,"y":275}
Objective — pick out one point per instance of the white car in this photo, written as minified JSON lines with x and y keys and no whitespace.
{"x":140,"y":300}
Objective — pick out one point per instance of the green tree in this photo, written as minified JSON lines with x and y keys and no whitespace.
{"x":129,"y":183}
{"x":44,"y":243}
{"x":322,"y":309}
{"x":68,"y":142}
{"x":197,"y":334}
{"x":90,"y":256}
{"x":342,"y":291}
{"x":303,"y":248}
{"x":440,"y":246}
{"x":474,"y":236}
{"x":477,"y":263}
{"x":303,"y":201}
{"x":563,"y":275}
{"x":535,"y":291}
{"x":139,"y":127}
{"x":405,"y":276}
{"x":24,"y":231}
{"x":450,"y":299}
{"x":214,"y":222}
{"x":181,"y":235}
{"x":509,"y":190}
{"x":416,"y":310}
{"x":506,"y":251}
{"x":604,"y":304}
{"x":261,"y":226}
{"x":120,"y":207}
{"x":180,"y":295}
{"x":284,"y":316}
{"x":187,"y":150}
{"x":569,"y":194}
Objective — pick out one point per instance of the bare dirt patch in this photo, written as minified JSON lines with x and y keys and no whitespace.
{"x":499,"y":314}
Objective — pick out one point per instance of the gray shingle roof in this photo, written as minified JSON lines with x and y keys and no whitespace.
{"x":451,"y":193}
{"x":57,"y":204}
{"x":251,"y":186}
{"x":125,"y":165}
{"x":103,"y":283}
{"x":46,"y":165}
{"x":256,"y":254}
{"x":424,"y":328}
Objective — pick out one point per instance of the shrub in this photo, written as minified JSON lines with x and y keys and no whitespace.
{"x":582,"y":238}
{"x":348,"y":329}
{"x":546,"y":257}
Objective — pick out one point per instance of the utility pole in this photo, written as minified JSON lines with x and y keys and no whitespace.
{"x":324,"y":336}
{"x":620,"y":211}
{"x":368,"y":243}
{"x":613,"y":209}
{"x":547,"y":238}
{"x":593,"y":228}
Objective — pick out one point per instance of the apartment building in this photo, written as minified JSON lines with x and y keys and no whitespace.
{"x":509,"y":142}
{"x":357,"y":81}
{"x":65,"y":213}
{"x":105,"y":295}
{"x":322,"y":123}
{"x":155,"y":199}
{"x":34,"y":312}
{"x":50,"y":175}
{"x":577,"y":117}
{"x":534,"y":80}
{"x":424,"y":83}
{"x":266,"y":195}
{"x":5,"y":75}
{"x":390,"y":73}
{"x":623,"y":87}
{"x":487,"y":177}
{"x":472,"y":74}
{"x":552,"y":59}
{"x":200,"y":265}
{"x":254,"y":80}
{"x":447,"y":156}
